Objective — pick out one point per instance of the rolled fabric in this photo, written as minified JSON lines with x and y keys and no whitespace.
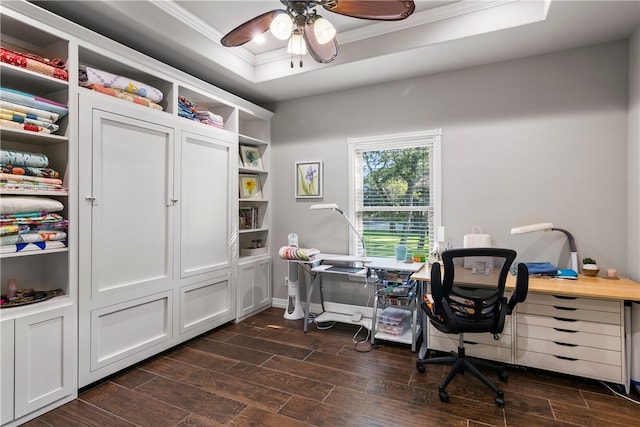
{"x":23,"y":158}
{"x":33,"y":237}
{"x":8,"y":177}
{"x":35,"y":112}
{"x":18,"y":97}
{"x":29,"y":171}
{"x":89,"y":75}
{"x":293,"y":253}
{"x":12,"y":205}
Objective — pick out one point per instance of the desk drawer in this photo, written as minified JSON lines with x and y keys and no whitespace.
{"x":571,"y":351}
{"x":567,"y":337}
{"x":571,"y":302}
{"x":569,"y":324}
{"x":484,"y":351}
{"x":573,"y":313}
{"x":583,"y":368}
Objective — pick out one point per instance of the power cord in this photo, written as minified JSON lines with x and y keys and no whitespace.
{"x":620,"y":394}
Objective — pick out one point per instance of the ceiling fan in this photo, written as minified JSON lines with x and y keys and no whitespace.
{"x":304,"y":28}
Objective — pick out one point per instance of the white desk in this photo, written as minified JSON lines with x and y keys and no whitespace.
{"x":322,"y":264}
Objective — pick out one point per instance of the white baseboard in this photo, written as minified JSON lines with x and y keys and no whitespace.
{"x":330,"y":306}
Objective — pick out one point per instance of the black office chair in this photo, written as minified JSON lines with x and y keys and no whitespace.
{"x":472,"y":300}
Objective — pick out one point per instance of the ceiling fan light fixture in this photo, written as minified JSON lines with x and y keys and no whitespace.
{"x":324,"y":30}
{"x":281,"y":26}
{"x":296,"y":44}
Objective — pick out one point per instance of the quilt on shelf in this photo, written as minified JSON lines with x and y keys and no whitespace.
{"x":50,"y":67}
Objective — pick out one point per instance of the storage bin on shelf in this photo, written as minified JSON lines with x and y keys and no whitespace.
{"x":394,"y":321}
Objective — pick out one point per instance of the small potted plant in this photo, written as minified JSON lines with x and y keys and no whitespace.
{"x":589,"y":267}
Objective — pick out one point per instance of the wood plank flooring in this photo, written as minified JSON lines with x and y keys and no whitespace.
{"x":266,"y":372}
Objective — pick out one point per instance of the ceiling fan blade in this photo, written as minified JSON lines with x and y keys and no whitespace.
{"x":244,"y":33}
{"x":382,"y":10}
{"x":323,"y":53}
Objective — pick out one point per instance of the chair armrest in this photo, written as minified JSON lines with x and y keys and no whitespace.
{"x":522,"y":287}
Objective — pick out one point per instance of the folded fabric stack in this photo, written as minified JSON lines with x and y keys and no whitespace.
{"x":50,"y":67}
{"x":21,"y":170}
{"x":209,"y":118}
{"x":186,"y":108}
{"x":297,"y":254}
{"x":120,"y":87}
{"x":24,"y":111}
{"x":189,"y":110}
{"x":31,"y":224}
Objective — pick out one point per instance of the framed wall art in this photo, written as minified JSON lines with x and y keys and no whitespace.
{"x":250,"y":187}
{"x":250,"y":157}
{"x":308,"y":180}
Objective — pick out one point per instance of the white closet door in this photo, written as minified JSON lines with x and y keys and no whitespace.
{"x":132,"y":203}
{"x":204,"y":200}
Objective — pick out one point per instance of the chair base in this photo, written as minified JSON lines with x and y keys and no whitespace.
{"x":461,"y":364}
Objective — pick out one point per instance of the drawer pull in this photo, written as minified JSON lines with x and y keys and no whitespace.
{"x":571,"y":359}
{"x":565,"y":344}
{"x":564,"y":319}
{"x":564,"y":308}
{"x":563,"y":297}
{"x":470,"y":342}
{"x":565,"y":330}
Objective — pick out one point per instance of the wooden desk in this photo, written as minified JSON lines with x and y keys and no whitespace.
{"x":570,"y":326}
{"x":592,"y":287}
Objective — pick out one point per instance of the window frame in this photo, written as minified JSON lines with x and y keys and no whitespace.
{"x":429,"y":138}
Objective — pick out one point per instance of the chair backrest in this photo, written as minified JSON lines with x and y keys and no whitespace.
{"x":472,"y":299}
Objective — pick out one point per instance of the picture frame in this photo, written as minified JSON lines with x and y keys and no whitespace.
{"x":251,"y":157}
{"x":250,"y":188}
{"x":308,"y":179}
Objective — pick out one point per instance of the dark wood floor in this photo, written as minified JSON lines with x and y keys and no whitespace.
{"x":266,"y":372}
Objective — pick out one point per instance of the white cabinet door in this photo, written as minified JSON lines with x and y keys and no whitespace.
{"x":204,"y":195}
{"x":131,"y":199}
{"x":44,"y":372}
{"x":254,"y":286}
{"x":6,"y":369}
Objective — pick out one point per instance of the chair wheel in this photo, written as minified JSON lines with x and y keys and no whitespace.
{"x":500,"y":399}
{"x":503,"y":375}
{"x":444,"y":396}
{"x":420,"y":367}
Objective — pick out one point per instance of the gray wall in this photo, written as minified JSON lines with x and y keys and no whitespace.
{"x":540,"y":139}
{"x":633,"y":253}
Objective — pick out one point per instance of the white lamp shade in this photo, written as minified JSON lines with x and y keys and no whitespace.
{"x":281,"y":26}
{"x":542,"y":226}
{"x":324,"y":31}
{"x":296,"y":44}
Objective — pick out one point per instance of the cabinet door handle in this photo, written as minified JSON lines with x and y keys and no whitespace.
{"x":564,"y":297}
{"x":557,"y":307}
{"x":93,"y":200}
{"x":565,"y":344}
{"x":571,"y":359}
{"x":564,"y":319}
{"x":470,"y":342}
{"x":565,"y":330}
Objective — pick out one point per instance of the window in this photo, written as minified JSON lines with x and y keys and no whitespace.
{"x":395,"y":191}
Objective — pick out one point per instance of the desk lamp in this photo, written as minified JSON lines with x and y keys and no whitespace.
{"x":547,"y":226}
{"x":334,"y":207}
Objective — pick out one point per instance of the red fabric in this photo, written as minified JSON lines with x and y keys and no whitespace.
{"x":53,"y":68}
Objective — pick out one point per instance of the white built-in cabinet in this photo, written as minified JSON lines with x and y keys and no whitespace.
{"x":38,"y":341}
{"x":254,"y":285}
{"x":254,"y":266}
{"x":153,"y":251}
{"x":155,"y":216}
